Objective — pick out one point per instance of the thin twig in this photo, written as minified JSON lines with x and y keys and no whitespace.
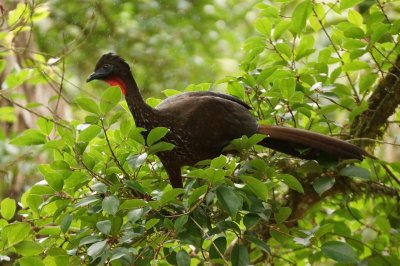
{"x":356,"y":96}
{"x":126,"y":175}
{"x":33,"y":112}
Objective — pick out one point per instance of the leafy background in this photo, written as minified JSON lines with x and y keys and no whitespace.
{"x":80,"y":185}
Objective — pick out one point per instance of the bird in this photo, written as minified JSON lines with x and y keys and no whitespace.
{"x":202,"y":124}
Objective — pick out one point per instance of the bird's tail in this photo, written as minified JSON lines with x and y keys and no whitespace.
{"x":306,"y":144}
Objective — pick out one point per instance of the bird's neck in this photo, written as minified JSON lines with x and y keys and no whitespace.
{"x":144,"y":115}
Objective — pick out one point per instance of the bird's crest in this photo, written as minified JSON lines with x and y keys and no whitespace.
{"x":112,"y":59}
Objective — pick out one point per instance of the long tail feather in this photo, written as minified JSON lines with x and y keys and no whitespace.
{"x":293,"y":140}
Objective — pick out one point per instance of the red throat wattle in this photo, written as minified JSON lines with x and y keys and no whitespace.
{"x":117,"y":82}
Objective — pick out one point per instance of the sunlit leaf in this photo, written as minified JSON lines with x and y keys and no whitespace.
{"x":7,"y":208}
{"x":110,"y":205}
{"x":88,"y":104}
{"x":339,"y":251}
{"x":156,"y":134}
{"x":291,"y":181}
{"x":300,"y":16}
{"x":264,"y":26}
{"x":29,"y":137}
{"x":256,"y":186}
{"x":29,"y":248}
{"x":109,"y":99}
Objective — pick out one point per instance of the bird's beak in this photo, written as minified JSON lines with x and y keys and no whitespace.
{"x":98,"y":74}
{"x":91,"y":77}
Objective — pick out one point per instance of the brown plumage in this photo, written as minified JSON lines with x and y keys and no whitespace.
{"x":203,"y":123}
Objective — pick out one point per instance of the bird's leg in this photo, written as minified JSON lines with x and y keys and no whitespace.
{"x":174,"y":174}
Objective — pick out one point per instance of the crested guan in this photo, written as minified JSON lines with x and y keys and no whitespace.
{"x":202,"y":123}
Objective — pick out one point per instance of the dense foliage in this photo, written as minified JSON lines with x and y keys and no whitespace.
{"x":105,"y":198}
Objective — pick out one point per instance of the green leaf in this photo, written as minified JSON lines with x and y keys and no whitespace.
{"x":171,"y":92}
{"x":29,"y":137}
{"x":66,"y":223}
{"x":135,"y":215}
{"x":87,"y":200}
{"x":104,"y":226}
{"x":355,"y":66}
{"x":161,"y":146}
{"x":182,"y":258}
{"x":17,"y":14}
{"x":291,"y":181}
{"x":256,"y":186}
{"x":354,"y":17}
{"x":14,"y":233}
{"x":89,"y":133}
{"x":305,"y":47}
{"x":339,"y":251}
{"x":59,"y":165}
{"x":153,"y":102}
{"x":180,"y":223}
{"x":255,"y":139}
{"x":228,"y":199}
{"x":88,"y":104}
{"x":229,"y":225}
{"x":217,"y":248}
{"x":30,"y":261}
{"x":16,"y":78}
{"x":28,"y":248}
{"x":323,"y":184}
{"x":281,"y":234}
{"x":288,"y":87}
{"x":300,"y":16}
{"x":236,"y":89}
{"x":97,"y":249}
{"x":110,"y":205}
{"x":109,"y":99}
{"x":54,"y":179}
{"x":7,"y":114}
{"x":151,"y":223}
{"x":156,"y":134}
{"x":367,"y":81}
{"x":259,"y":243}
{"x":323,"y":230}
{"x":137,"y":160}
{"x":383,"y":224}
{"x":283,"y":88}
{"x":282,"y":214}
{"x":197,"y":193}
{"x":45,"y":125}
{"x":240,"y":256}
{"x":132,"y":204}
{"x":284,"y":49}
{"x":266,"y":73}
{"x":7,"y":208}
{"x":170,"y":195}
{"x":380,"y":30}
{"x":348,"y":3}
{"x":355,"y":171}
{"x":250,"y":220}
{"x":263,"y":26}
{"x":89,"y":240}
{"x":218,"y":162}
{"x":280,"y":28}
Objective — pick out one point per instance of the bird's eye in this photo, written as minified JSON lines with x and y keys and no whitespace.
{"x":106,"y":66}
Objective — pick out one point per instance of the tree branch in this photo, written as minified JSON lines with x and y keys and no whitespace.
{"x":381,"y":105}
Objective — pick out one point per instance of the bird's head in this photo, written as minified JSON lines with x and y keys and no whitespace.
{"x":112,"y":69}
